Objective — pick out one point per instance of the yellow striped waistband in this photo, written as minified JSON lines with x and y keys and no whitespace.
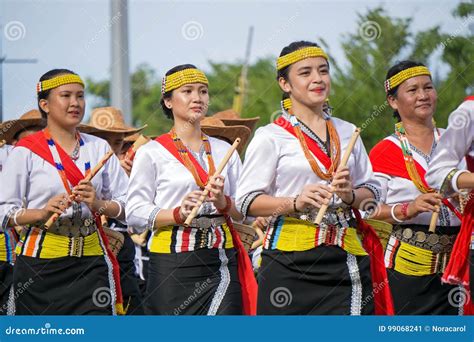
{"x":291,"y":235}
{"x":39,"y":243}
{"x":177,"y":239}
{"x":412,"y":260}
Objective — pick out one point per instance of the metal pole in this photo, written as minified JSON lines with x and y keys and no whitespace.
{"x":120,"y":92}
{"x":1,"y":74}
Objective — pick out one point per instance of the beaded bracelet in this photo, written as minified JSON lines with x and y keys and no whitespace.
{"x":294,"y":204}
{"x":353,"y":199}
{"x":177,"y":216}
{"x":405,"y":209}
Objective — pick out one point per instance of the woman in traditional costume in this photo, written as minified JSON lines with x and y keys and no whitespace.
{"x":68,"y":268}
{"x":415,"y":256}
{"x":10,"y":133}
{"x":291,"y":169}
{"x":201,"y":268}
{"x":444,"y":174}
{"x":8,"y":240}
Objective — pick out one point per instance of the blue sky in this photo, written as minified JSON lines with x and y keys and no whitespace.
{"x":76,"y":34}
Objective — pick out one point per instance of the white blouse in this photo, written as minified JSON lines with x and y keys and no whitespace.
{"x":400,"y":190}
{"x":32,"y":178}
{"x":4,"y":151}
{"x":456,"y":142}
{"x":159,"y":181}
{"x":275,"y":165}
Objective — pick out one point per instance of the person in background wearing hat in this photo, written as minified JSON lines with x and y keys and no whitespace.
{"x":415,"y":257}
{"x":291,"y":168}
{"x":10,"y":133}
{"x":202,"y":269}
{"x":108,"y":123}
{"x":28,"y":124}
{"x":231,"y":118}
{"x":8,"y":240}
{"x":444,"y":174}
{"x":68,"y":268}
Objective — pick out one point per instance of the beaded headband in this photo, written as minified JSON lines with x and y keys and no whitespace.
{"x":182,"y":77}
{"x":300,"y":54}
{"x":404,"y":75}
{"x":58,"y":81}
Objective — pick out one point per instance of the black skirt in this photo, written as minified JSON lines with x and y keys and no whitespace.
{"x":422,"y":295}
{"x":62,"y":286}
{"x":6,"y":281}
{"x":132,"y":297}
{"x":325,"y":280}
{"x":201,"y":282}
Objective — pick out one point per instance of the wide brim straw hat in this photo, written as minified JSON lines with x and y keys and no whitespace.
{"x":231,"y":118}
{"x":216,"y":128}
{"x":10,"y":128}
{"x":108,"y":120}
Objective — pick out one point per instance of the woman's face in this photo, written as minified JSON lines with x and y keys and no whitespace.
{"x":415,"y":99}
{"x":308,"y":81}
{"x":189,"y":102}
{"x":65,"y":105}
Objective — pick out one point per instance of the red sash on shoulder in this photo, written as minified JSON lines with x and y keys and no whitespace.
{"x":38,"y":144}
{"x":312,"y":145}
{"x":167,"y":143}
{"x":386,"y":157}
{"x":457,"y":271}
{"x":248,"y":283}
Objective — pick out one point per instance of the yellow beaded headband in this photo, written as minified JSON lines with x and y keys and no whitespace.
{"x":58,"y":81}
{"x":300,"y":54}
{"x":182,"y":77}
{"x":404,"y":75}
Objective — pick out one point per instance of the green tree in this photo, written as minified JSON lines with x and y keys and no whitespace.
{"x":358,"y":94}
{"x":357,"y":84}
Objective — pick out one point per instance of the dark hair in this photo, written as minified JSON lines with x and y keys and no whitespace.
{"x":168,"y":112}
{"x":400,"y":66}
{"x":289,"y":49}
{"x":43,"y":95}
